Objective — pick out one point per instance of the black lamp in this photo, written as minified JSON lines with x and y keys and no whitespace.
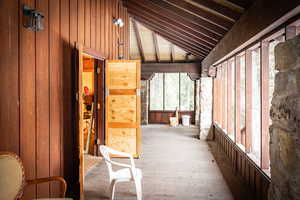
{"x":32,"y":19}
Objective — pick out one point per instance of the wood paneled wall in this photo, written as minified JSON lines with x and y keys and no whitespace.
{"x":36,"y":110}
{"x":257,"y":181}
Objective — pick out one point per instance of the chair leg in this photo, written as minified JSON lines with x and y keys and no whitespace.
{"x":112,"y":189}
{"x":138,"y":186}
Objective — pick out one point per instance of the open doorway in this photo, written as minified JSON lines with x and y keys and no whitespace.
{"x":92,"y":109}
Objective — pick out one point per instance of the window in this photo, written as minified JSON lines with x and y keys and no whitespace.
{"x":187,"y":91}
{"x":169,"y":91}
{"x":157,"y":92}
{"x":242,"y":100}
{"x":231,"y":99}
{"x":255,"y":103}
{"x":242,"y":93}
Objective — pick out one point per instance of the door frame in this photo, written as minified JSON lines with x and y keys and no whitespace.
{"x":80,"y":51}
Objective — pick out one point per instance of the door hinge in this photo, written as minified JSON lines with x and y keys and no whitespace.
{"x":77,"y":96}
{"x":98,"y":106}
{"x":98,"y":70}
{"x":138,"y":92}
{"x":107,"y":92}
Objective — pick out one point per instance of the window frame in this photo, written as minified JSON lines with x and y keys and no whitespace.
{"x":179,"y":96}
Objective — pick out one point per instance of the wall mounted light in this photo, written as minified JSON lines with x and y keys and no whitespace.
{"x":32,"y":19}
{"x":118,"y":22}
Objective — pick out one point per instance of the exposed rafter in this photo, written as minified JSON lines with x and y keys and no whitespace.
{"x":191,"y":17}
{"x":197,"y":11}
{"x":175,"y":25}
{"x":157,"y":56}
{"x":209,"y":29}
{"x":241,"y":3}
{"x":173,"y":38}
{"x":171,"y":33}
{"x":223,"y":10}
{"x":139,"y":41}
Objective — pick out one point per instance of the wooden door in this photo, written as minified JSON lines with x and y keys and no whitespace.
{"x":123,"y":105}
{"x":79,"y":115}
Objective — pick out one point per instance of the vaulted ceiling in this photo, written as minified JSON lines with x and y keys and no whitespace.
{"x":189,"y":26}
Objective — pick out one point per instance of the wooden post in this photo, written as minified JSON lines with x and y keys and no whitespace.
{"x":290,"y":32}
{"x":265,"y":107}
{"x":248,"y":60}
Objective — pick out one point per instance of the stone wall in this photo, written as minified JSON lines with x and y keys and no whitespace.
{"x":144,"y":101}
{"x":285,"y":128}
{"x":205,"y":107}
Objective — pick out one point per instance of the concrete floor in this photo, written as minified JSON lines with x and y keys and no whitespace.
{"x":175,"y":164}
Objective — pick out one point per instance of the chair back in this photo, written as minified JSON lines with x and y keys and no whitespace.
{"x":12,"y":178}
{"x":105,"y":151}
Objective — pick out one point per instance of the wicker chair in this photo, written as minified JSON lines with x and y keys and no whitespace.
{"x":12,"y":178}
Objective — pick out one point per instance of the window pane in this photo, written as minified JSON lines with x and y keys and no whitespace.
{"x":156,"y":92}
{"x":186,"y":92}
{"x":243,"y":98}
{"x":231,"y":92}
{"x":171,"y":91}
{"x":256,"y":104}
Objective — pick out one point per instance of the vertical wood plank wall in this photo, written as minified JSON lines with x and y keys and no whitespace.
{"x":36,"y":95}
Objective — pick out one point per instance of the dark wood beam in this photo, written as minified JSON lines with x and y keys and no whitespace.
{"x":172,"y":54}
{"x":157,"y":55}
{"x":171,"y":25}
{"x":139,"y":41}
{"x":170,"y":32}
{"x":175,"y":40}
{"x":171,"y":68}
{"x":241,"y":3}
{"x":260,"y":18}
{"x":223,"y":10}
{"x":168,"y":17}
{"x":175,"y":13}
{"x":197,"y":11}
{"x":152,"y":26}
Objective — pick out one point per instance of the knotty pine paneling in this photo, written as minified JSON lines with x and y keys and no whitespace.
{"x":36,"y":110}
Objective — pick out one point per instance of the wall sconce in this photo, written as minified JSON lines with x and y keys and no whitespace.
{"x":32,"y":19}
{"x":118,"y":22}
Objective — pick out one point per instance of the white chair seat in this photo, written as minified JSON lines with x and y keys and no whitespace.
{"x":125,"y":174}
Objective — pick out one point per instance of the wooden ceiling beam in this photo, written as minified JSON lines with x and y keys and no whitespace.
{"x":178,"y":15}
{"x":203,"y":21}
{"x":157,"y":55}
{"x":200,"y":12}
{"x":176,"y":26}
{"x":223,"y":10}
{"x":193,"y":67}
{"x":194,"y":50}
{"x":160,"y":30}
{"x":241,"y":3}
{"x":139,"y":41}
{"x":172,"y":33}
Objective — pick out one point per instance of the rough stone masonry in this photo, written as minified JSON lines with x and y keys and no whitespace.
{"x":285,"y":128}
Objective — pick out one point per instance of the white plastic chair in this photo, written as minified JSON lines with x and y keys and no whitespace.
{"x":127,"y":174}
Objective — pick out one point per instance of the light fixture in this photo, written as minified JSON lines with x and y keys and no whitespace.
{"x":32,"y":19}
{"x":118,"y":22}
